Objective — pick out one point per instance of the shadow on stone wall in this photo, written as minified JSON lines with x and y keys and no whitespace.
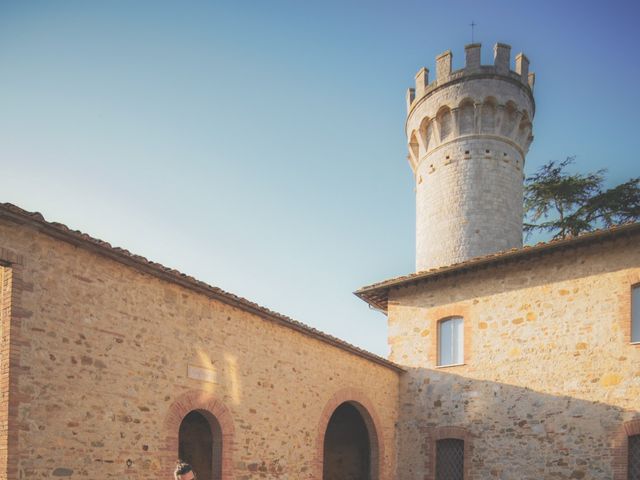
{"x":516,"y":433}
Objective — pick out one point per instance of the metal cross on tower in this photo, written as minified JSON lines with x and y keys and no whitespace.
{"x":472,"y":25}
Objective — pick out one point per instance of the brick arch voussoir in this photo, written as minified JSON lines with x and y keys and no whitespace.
{"x":371,"y":419}
{"x":205,"y":402}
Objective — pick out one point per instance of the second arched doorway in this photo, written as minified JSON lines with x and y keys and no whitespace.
{"x":348,"y":447}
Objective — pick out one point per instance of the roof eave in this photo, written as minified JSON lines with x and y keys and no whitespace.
{"x":61,"y":232}
{"x":376,"y":295}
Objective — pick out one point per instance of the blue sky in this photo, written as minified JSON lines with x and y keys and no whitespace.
{"x":259,"y":146}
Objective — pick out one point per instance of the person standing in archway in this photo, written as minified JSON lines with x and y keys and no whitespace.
{"x":184,"y":471}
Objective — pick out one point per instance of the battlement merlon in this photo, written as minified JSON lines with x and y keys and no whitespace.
{"x":411,"y":96}
{"x":522,"y":67}
{"x":472,"y":53}
{"x":502,"y":58}
{"x":443,"y":66}
{"x":422,"y":81}
{"x":473,"y":66}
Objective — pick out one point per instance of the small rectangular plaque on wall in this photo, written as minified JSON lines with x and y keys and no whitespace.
{"x":202,"y":374}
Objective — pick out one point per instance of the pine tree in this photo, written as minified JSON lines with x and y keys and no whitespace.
{"x":567,"y":205}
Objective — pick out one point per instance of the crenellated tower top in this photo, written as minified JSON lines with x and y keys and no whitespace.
{"x":472,"y":69}
{"x":468,"y":133}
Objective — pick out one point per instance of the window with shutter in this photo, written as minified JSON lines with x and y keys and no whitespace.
{"x":451,"y":341}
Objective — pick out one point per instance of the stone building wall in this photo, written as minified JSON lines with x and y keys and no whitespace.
{"x":110,"y":360}
{"x":550,"y":381}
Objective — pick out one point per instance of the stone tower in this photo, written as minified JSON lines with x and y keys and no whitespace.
{"x":469,"y":131}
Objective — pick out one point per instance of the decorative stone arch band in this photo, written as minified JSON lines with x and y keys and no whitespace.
{"x":365,"y":408}
{"x":207,"y":405}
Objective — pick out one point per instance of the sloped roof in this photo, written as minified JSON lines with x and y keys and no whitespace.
{"x":377,"y":295}
{"x":62,"y":232}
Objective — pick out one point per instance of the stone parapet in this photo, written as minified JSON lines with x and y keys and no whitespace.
{"x":473,"y":67}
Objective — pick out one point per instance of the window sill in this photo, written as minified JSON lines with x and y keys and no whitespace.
{"x":634,"y":343}
{"x":453,"y":365}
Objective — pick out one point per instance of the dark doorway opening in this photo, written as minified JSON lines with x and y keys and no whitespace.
{"x":200,"y":444}
{"x":347,"y":447}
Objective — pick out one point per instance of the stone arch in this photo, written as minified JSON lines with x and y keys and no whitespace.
{"x":445,"y":123}
{"x":218,"y":416}
{"x":414,"y":148}
{"x":365,"y":408}
{"x":466,"y":117}
{"x":524,"y":136}
{"x":425,"y":134}
{"x":488,"y":115}
{"x":200,"y":444}
{"x":509,"y":119}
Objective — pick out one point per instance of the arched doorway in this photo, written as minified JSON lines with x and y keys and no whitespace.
{"x":200,"y":444}
{"x":347,"y":446}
